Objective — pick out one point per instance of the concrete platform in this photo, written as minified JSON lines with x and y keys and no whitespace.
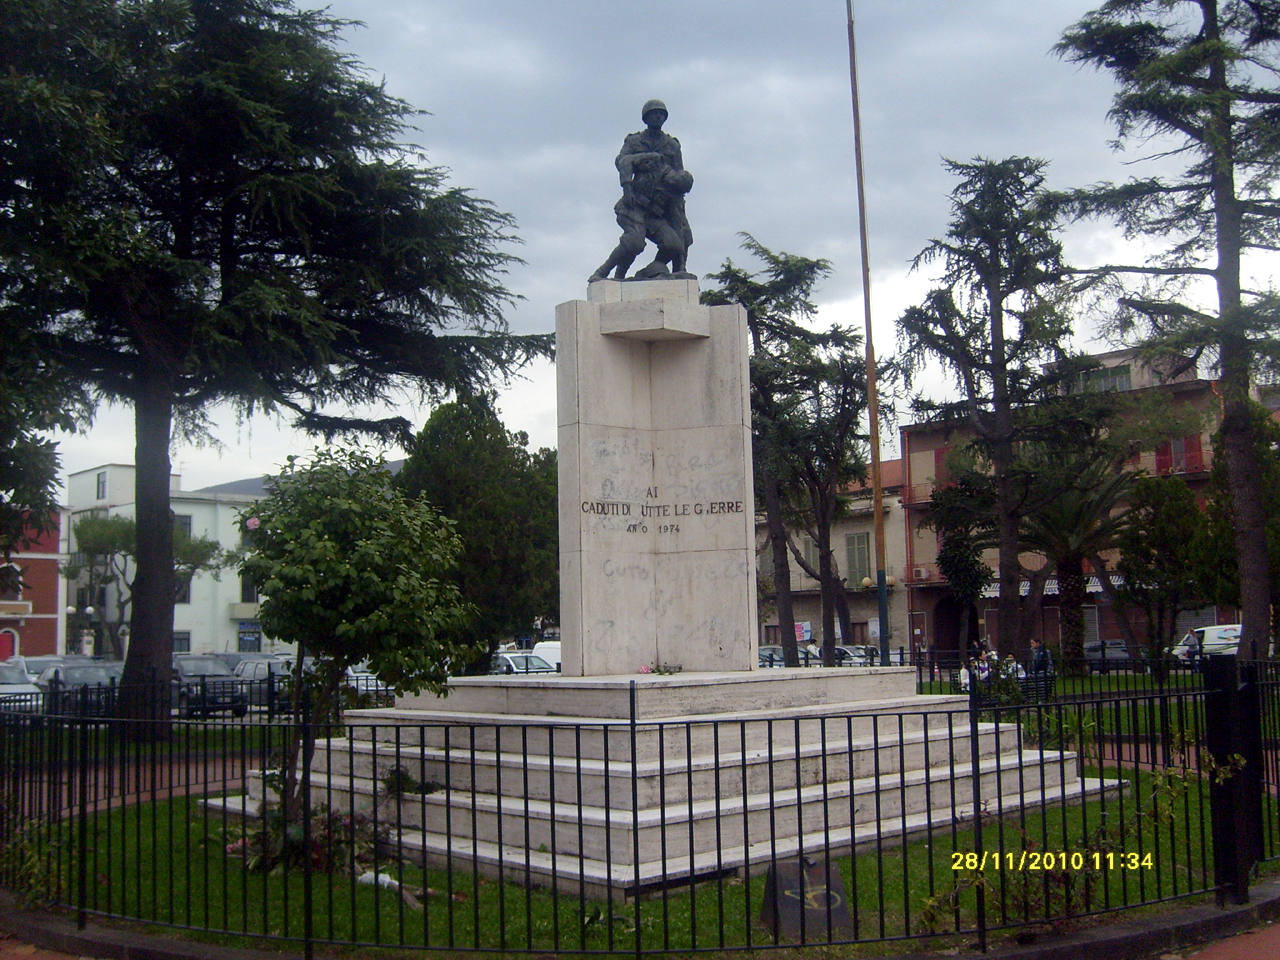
{"x":657,"y":697}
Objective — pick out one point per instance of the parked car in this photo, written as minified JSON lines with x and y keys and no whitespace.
{"x":548,"y":650}
{"x":34,"y":666}
{"x":1208,"y":642}
{"x":203,"y":684}
{"x":17,"y":693}
{"x":82,"y":689}
{"x":368,"y":689}
{"x":265,"y":681}
{"x":519,"y":663}
{"x":233,"y":658}
{"x":854,"y":656}
{"x":1101,"y":655}
{"x":771,"y":656}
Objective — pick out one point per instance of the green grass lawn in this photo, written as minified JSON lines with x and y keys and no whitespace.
{"x":166,"y":863}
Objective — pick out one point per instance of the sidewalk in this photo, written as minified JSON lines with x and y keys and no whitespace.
{"x":1261,"y":943}
{"x":11,"y":949}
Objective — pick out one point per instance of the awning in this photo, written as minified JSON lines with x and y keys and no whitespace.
{"x":1092,"y":585}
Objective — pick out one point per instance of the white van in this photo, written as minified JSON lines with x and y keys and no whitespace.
{"x":548,"y":650}
{"x":1209,"y":641}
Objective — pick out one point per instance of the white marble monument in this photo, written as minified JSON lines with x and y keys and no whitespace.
{"x":657,"y":558}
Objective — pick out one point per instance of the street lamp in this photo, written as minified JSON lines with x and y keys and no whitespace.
{"x":89,"y":630}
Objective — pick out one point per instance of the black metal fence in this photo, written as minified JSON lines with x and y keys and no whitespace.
{"x":951,"y":822}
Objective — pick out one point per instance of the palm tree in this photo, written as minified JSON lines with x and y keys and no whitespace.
{"x":1083,"y":521}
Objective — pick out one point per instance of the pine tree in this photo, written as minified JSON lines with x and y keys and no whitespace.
{"x":226,"y":211}
{"x":1197,"y":80}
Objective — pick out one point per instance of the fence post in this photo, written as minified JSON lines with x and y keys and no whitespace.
{"x":975,"y":754}
{"x":82,"y":833}
{"x":1233,"y":729}
{"x":308,"y":946}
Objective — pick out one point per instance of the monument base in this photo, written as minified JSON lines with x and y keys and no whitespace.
{"x":542,"y":698}
{"x":609,"y":787}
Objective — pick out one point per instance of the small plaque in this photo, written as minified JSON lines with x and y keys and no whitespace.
{"x":804,"y":900}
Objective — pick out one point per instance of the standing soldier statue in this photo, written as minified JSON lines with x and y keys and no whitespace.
{"x":654,"y":182}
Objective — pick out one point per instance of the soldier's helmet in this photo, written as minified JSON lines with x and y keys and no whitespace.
{"x":651,"y":106}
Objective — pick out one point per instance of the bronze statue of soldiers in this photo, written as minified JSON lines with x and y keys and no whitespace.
{"x":654,"y":182}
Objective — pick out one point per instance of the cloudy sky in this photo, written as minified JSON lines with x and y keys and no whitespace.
{"x":529,"y":101}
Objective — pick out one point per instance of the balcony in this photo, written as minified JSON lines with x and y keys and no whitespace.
{"x":243,"y":611}
{"x":916,"y":493}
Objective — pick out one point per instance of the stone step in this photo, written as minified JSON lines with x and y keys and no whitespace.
{"x":612,"y":834}
{"x":600,"y":879}
{"x":672,"y":779}
{"x":674,"y":736}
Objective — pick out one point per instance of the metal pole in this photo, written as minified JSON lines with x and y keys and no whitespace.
{"x":873,"y":400}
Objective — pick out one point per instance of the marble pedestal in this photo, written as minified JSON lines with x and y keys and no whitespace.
{"x":657,"y":523}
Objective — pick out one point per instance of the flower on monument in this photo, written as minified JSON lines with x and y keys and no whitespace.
{"x":645,"y":668}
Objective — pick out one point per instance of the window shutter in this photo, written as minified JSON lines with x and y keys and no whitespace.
{"x":1194,"y":454}
{"x":940,"y":476}
{"x":1164,"y":459}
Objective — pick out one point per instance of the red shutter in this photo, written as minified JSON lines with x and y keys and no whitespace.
{"x":1193,"y":454}
{"x":940,"y":476}
{"x":1164,"y":459}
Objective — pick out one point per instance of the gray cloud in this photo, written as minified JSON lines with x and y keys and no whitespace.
{"x":529,"y":101}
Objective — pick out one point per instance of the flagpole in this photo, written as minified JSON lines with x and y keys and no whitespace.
{"x":873,"y":401}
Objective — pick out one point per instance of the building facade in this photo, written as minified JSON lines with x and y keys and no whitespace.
{"x":934,"y":615}
{"x":216,"y":612}
{"x":853,"y":543}
{"x":31,"y":606}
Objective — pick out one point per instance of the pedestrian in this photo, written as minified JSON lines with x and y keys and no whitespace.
{"x":1041,"y":670}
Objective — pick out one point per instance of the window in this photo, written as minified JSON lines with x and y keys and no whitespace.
{"x":1182,"y":455}
{"x":182,"y":641}
{"x":248,"y":590}
{"x":858,"y":558}
{"x":1106,"y":379}
{"x":11,"y":582}
{"x":249,"y":642}
{"x":182,"y":590}
{"x":182,"y":521}
{"x":102,"y":485}
{"x":809,"y":549}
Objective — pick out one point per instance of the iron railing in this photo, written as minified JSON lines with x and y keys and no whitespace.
{"x":947,"y":823}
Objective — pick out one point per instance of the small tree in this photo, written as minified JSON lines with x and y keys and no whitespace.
{"x":502,"y":497}
{"x":104,"y":560}
{"x":1163,"y":557}
{"x":963,"y":514}
{"x":351,"y":570}
{"x":1084,"y":521}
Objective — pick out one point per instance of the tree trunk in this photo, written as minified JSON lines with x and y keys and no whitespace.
{"x":145,"y":686}
{"x":845,"y":619}
{"x":1113,"y":595}
{"x":1236,"y":358}
{"x":825,"y":577}
{"x":1248,"y":522}
{"x":1071,"y":598}
{"x":1009,"y":620}
{"x":781,"y":570}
